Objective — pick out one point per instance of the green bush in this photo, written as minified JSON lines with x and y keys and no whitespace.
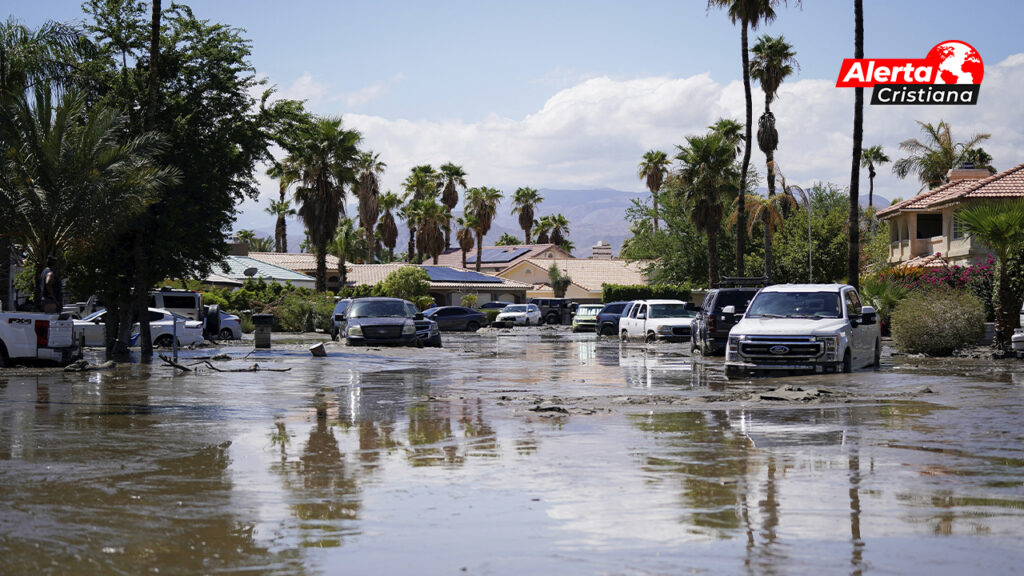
{"x":623,"y":292}
{"x":492,"y":313}
{"x":938,"y":323}
{"x":406,"y":283}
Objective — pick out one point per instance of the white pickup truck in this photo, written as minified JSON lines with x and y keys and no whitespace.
{"x":804,"y":328}
{"x":32,"y":336}
{"x":654,"y":320}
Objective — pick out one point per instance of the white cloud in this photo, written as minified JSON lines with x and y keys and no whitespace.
{"x":594,"y":133}
{"x":306,"y":88}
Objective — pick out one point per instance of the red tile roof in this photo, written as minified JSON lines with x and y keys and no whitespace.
{"x":1006,"y":184}
{"x":928,"y":261}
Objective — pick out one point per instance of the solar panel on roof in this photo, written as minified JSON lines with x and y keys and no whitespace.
{"x":445,"y":274}
{"x":498,"y":255}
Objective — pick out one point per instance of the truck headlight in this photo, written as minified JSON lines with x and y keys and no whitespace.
{"x":356,"y":330}
{"x":409,"y":328}
{"x":734,"y":344}
{"x":829,"y":343}
{"x":664,"y":329}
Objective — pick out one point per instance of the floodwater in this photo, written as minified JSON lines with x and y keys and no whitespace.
{"x":530,"y":451}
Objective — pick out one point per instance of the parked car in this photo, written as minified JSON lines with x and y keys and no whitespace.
{"x":608,"y":318}
{"x":711,"y":327}
{"x":495,"y":305}
{"x":554,"y":310}
{"x":520,"y":315}
{"x":387,"y":321}
{"x":161,"y":328}
{"x":230,"y":327}
{"x":456,"y":318}
{"x":338,"y":316}
{"x":585,"y":319}
{"x":653,"y":320}
{"x":803,"y":327}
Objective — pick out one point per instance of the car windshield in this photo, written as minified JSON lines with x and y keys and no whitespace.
{"x":671,"y":311}
{"x":379,"y":309}
{"x":94,"y":315}
{"x":430,"y":311}
{"x":588,"y":310}
{"x":515,"y":308}
{"x":795,"y":305}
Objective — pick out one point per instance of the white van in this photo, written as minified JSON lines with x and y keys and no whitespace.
{"x":182,"y":302}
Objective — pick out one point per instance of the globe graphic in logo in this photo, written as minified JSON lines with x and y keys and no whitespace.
{"x":956,"y":62}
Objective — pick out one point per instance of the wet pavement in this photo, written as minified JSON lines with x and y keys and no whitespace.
{"x":530,"y":451}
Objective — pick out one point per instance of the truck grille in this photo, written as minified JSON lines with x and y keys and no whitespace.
{"x":681,"y":331}
{"x":382,"y":331}
{"x":783,"y":349}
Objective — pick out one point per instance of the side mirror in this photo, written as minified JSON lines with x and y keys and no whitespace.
{"x":641,"y":316}
{"x":418,"y":316}
{"x":729,"y":310}
{"x":868,"y":316}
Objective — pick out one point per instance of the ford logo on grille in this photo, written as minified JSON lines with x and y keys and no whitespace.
{"x":779,"y":349}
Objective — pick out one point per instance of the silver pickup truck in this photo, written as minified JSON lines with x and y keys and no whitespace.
{"x":804,"y":328}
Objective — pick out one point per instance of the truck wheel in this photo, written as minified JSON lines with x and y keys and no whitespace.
{"x":551,"y":319}
{"x":733,"y":372}
{"x":651,"y":338}
{"x":4,"y":360}
{"x":847,"y":362}
{"x":607,"y":330}
{"x":163,"y":341}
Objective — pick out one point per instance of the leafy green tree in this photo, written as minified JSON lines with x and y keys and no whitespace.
{"x":652,"y":171}
{"x":369,"y":169}
{"x":389,"y":205}
{"x":749,"y":14}
{"x":453,"y":178}
{"x":559,"y":281}
{"x":932,"y":159}
{"x":467,"y":225}
{"x":524,"y":202}
{"x":324,"y":163}
{"x":508,"y":240}
{"x":347,"y":240}
{"x":409,"y":283}
{"x":708,"y":177}
{"x":871,"y":157}
{"x":482,"y":203}
{"x":827,"y":219}
{"x":1000,"y":225}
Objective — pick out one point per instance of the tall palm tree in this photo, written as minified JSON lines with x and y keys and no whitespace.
{"x":453,"y":177}
{"x":467,"y":225}
{"x":708,"y":176}
{"x":853,"y":223}
{"x":749,"y":14}
{"x":323,"y":162}
{"x":932,"y":159}
{"x":422,"y":182}
{"x":768,"y":210}
{"x":281,"y":210}
{"x":389,"y":204}
{"x":346,"y":240}
{"x":524,"y":201}
{"x":434,"y":219}
{"x":412,"y":214}
{"x":559,"y":229}
{"x":483,"y":204}
{"x":871,"y":157}
{"x":245,"y":235}
{"x":774,"y":60}
{"x":1001,"y":226}
{"x":652,"y":171}
{"x":265,"y":244}
{"x":543,"y":229}
{"x":731,"y":131}
{"x":369,"y":169}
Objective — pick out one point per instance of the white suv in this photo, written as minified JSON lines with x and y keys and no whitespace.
{"x":653,"y":320}
{"x":804,"y":327}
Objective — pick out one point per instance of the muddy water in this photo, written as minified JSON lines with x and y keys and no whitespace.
{"x":524,"y":452}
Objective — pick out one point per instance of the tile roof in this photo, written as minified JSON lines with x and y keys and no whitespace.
{"x":454,"y":257}
{"x":297,"y":261}
{"x":1005,"y":184}
{"x":360,"y":274}
{"x":927,"y":261}
{"x":237,"y":265}
{"x":590,"y":274}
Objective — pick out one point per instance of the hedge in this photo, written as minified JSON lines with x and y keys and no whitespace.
{"x":626,"y":292}
{"x":938,"y":322}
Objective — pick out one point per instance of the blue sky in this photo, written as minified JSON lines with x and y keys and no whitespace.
{"x":568,"y":94}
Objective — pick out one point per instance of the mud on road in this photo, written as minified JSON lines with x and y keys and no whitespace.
{"x":531,"y":450}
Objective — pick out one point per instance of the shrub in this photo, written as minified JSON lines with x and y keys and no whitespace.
{"x":492,"y":313}
{"x":884,"y":295}
{"x":938,"y":322}
{"x":469,"y":300}
{"x":623,"y":292}
{"x":406,"y":283}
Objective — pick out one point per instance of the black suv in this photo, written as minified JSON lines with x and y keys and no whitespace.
{"x":711,"y":327}
{"x":555,"y":310}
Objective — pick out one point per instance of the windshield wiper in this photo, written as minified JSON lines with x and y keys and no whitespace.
{"x":767,"y":315}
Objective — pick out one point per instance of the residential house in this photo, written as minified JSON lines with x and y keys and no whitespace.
{"x":923,"y":230}
{"x":303,"y":263}
{"x":239,"y":268}
{"x":588,"y":276}
{"x":497,"y":258}
{"x":447,"y":284}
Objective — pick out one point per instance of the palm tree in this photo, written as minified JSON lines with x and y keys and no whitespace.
{"x":543,"y":229}
{"x":1001,"y":226}
{"x":246,"y":235}
{"x":389,"y":204}
{"x":67,"y":169}
{"x":422,"y":182}
{"x":932,"y":159}
{"x":768,"y":210}
{"x":708,"y":176}
{"x":265,"y":244}
{"x":559,"y":229}
{"x":411,"y":213}
{"x":483,"y":204}
{"x":467,"y":224}
{"x":345,"y":241}
{"x":453,"y":177}
{"x":323,"y":162}
{"x":281,"y":209}
{"x":871,"y":157}
{"x":652,"y":171}
{"x":369,"y":169}
{"x":853,"y":222}
{"x":524,"y":201}
{"x":731,"y":131}
{"x":774,"y":60}
{"x":434,"y":219}
{"x":750,"y":14}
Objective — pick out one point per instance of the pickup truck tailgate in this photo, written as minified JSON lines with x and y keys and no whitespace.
{"x":61,"y":334}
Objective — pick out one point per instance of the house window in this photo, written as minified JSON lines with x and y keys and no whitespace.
{"x":958,"y":227}
{"x":893,"y":232}
{"x":929,"y":225}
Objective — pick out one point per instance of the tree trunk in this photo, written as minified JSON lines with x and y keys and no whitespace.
{"x":712,"y":258}
{"x":853,"y":260}
{"x":526,"y":234}
{"x":5,"y":273}
{"x":654,"y":199}
{"x":342,"y":273}
{"x":1004,"y":307}
{"x":871,"y":186}
{"x":447,"y":238}
{"x":479,"y":249}
{"x":741,"y":215}
{"x":463,"y":259}
{"x":370,"y":245}
{"x":321,"y":267}
{"x":412,"y":245}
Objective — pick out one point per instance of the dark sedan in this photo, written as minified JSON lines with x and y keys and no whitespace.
{"x":456,"y":318}
{"x":496,"y":305}
{"x":608,"y":318}
{"x":381,"y":321}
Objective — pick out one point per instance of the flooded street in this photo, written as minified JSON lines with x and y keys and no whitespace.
{"x":531,"y":451}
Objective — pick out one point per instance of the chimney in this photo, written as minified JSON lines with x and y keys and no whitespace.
{"x":601,"y":251}
{"x":238,"y":247}
{"x":967,"y":172}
